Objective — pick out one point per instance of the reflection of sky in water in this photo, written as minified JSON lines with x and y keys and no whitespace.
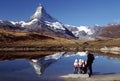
{"x":21,"y":70}
{"x":105,"y":65}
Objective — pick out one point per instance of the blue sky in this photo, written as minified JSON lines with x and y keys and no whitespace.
{"x":73,"y":12}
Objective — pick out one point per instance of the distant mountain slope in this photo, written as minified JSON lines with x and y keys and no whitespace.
{"x":84,"y":32}
{"x":95,"y":32}
{"x":9,"y":25}
{"x":110,"y":31}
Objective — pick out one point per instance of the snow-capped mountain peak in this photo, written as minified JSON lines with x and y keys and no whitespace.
{"x":38,"y":13}
{"x":44,"y":17}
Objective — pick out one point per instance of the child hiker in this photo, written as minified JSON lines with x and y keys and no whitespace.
{"x":76,"y":65}
{"x":80,"y":65}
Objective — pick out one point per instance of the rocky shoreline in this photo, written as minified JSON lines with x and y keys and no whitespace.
{"x":84,"y":77}
{"x":114,"y":50}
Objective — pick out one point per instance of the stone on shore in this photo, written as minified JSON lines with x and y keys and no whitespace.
{"x":75,"y":76}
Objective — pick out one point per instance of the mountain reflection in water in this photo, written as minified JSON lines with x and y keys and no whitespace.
{"x":49,"y":68}
{"x":42,"y":63}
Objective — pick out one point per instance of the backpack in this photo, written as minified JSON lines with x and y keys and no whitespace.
{"x":92,"y":58}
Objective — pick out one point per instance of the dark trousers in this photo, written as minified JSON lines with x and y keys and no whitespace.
{"x":75,"y":70}
{"x":89,"y":66}
{"x":80,"y":69}
{"x":85,"y":69}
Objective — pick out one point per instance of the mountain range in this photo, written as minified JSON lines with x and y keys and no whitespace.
{"x":44,"y":24}
{"x":84,"y":32}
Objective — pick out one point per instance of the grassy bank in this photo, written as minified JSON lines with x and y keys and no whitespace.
{"x":15,"y":40}
{"x":23,"y":55}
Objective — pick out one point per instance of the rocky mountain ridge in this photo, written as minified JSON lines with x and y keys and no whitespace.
{"x":43,"y":23}
{"x":40,"y":22}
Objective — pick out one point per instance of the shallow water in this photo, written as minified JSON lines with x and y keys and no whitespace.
{"x":49,"y":68}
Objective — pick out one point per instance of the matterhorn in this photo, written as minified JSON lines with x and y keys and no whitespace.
{"x":42,"y":22}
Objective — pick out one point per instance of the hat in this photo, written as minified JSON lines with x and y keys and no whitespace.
{"x":83,"y":61}
{"x":76,"y":60}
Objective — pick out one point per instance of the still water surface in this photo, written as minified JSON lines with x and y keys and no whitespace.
{"x":49,"y":68}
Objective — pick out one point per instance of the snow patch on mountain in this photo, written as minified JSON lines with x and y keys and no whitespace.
{"x":85,"y":29}
{"x":24,"y":24}
{"x":14,"y":23}
{"x":55,"y":25}
{"x":77,"y":29}
{"x":1,"y":21}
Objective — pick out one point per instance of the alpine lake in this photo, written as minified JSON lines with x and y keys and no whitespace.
{"x":52,"y":66}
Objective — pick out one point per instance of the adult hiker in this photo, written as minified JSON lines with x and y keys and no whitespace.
{"x":90,"y":59}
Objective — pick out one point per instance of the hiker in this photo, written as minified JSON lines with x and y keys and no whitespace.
{"x":76,"y":66}
{"x":90,"y":59}
{"x":84,"y":67}
{"x":80,"y":65}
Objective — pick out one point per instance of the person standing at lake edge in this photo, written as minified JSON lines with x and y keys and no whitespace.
{"x":80,"y":65}
{"x":90,"y":59}
{"x":76,"y":65}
